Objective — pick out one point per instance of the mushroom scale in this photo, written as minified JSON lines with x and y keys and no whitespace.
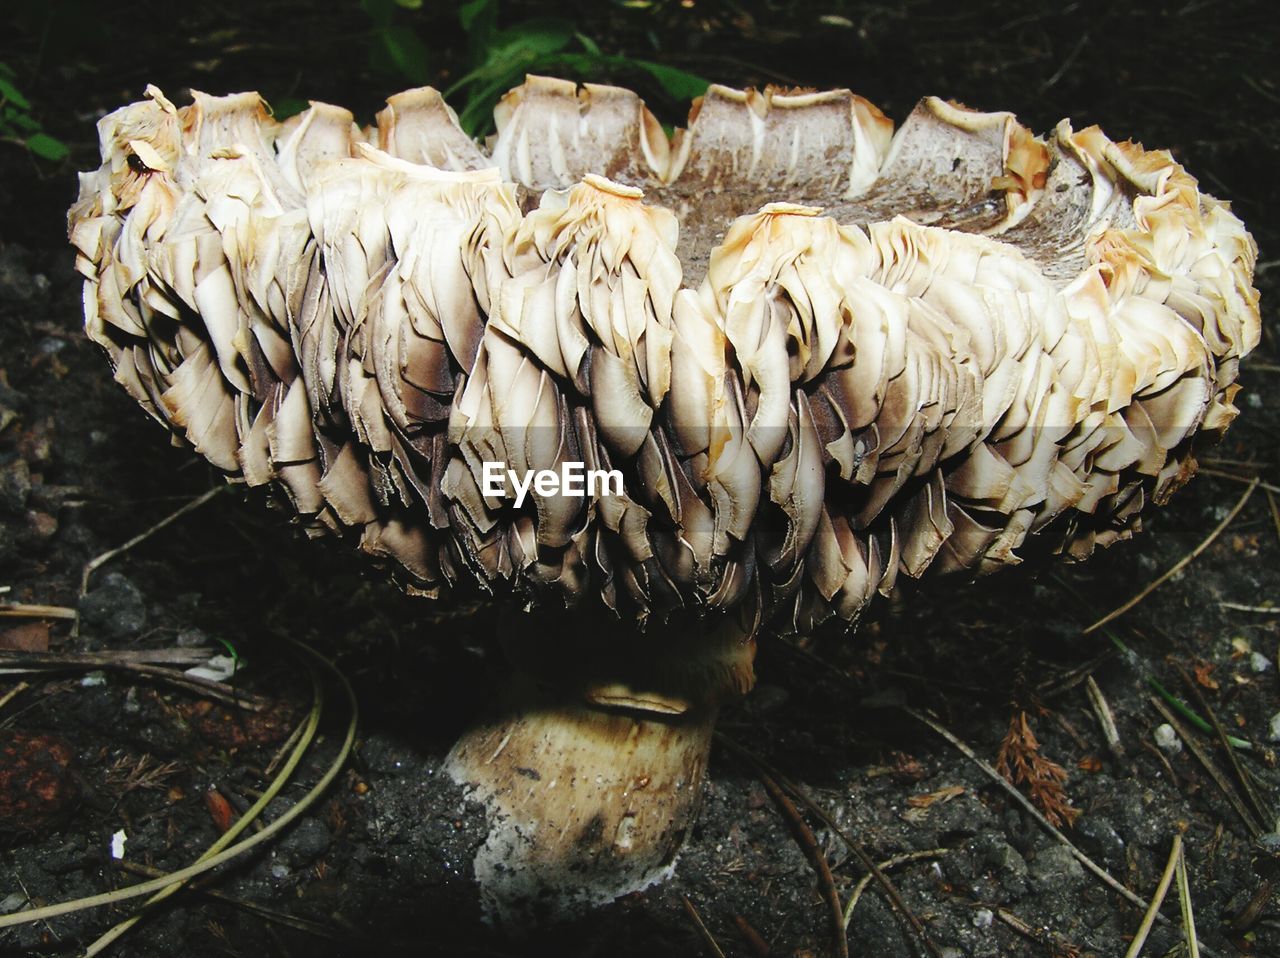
{"x":825,"y":357}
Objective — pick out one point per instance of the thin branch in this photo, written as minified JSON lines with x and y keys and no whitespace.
{"x":96,"y":563}
{"x":804,"y":837}
{"x":890,"y":890}
{"x":885,"y":865}
{"x":703,"y":930}
{"x":1181,"y":563}
{"x":1196,"y":749}
{"x":1026,"y":803}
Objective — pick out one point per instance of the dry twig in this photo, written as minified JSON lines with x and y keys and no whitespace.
{"x":703,"y":930}
{"x":804,"y":837}
{"x":1105,"y":719}
{"x":1181,"y":563}
{"x":96,"y":563}
{"x":890,"y":890}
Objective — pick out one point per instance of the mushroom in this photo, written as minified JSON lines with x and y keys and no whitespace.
{"x":825,"y":359}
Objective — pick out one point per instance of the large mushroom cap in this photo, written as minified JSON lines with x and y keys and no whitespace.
{"x":812,"y":359}
{"x":822,"y":354}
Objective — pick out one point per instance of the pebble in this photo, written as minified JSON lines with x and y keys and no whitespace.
{"x":1054,"y":869}
{"x":115,"y":608}
{"x":1167,"y":739}
{"x":306,"y":842}
{"x":982,"y":918}
{"x":15,"y":486}
{"x":1259,"y":662}
{"x":1274,"y":728}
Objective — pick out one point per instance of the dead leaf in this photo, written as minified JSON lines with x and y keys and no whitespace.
{"x":1203,"y":676}
{"x":941,"y":795}
{"x":220,"y":809}
{"x":28,"y":637}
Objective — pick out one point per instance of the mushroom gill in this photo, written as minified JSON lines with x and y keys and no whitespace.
{"x":824,"y":359}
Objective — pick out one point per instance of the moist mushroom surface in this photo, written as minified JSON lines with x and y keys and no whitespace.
{"x":825,"y":358}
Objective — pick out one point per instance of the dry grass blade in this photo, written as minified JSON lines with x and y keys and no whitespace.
{"x":1240,"y":607}
{"x":27,"y":610}
{"x":1181,"y":563}
{"x":1275,"y":510}
{"x":703,"y":930}
{"x":1207,"y":762}
{"x":1184,"y":904}
{"x":1153,"y":911}
{"x":183,"y":875}
{"x":13,"y":693}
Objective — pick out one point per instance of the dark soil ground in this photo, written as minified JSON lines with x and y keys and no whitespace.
{"x":379,"y":864}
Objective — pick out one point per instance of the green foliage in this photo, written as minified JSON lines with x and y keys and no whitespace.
{"x":17,"y":125}
{"x":499,"y":57}
{"x":396,"y":42}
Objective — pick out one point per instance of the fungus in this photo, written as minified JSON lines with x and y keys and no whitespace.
{"x":825,"y":358}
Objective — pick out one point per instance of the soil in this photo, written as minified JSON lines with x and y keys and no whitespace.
{"x":380,"y":863}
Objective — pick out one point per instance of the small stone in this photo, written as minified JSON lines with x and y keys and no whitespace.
{"x":1167,"y":739}
{"x":1100,"y":839}
{"x":15,"y":486}
{"x":1259,"y":662}
{"x":982,"y":918}
{"x":306,"y":842}
{"x":1273,"y":731}
{"x":114,"y":609}
{"x":1054,"y":869}
{"x":279,"y":871}
{"x":193,"y":639}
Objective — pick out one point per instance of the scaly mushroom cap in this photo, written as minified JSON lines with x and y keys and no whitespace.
{"x":822,"y":355}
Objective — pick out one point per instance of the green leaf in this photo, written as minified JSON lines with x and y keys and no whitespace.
{"x":47,"y":147}
{"x":538,"y":37}
{"x":21,"y":121}
{"x":680,"y":84}
{"x":9,"y":94}
{"x":476,"y":13}
{"x":409,"y":4}
{"x":379,"y":11}
{"x":287,"y":106}
{"x":407,"y":53}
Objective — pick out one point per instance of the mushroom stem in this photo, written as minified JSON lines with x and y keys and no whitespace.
{"x":591,"y":769}
{"x":583,"y":804}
